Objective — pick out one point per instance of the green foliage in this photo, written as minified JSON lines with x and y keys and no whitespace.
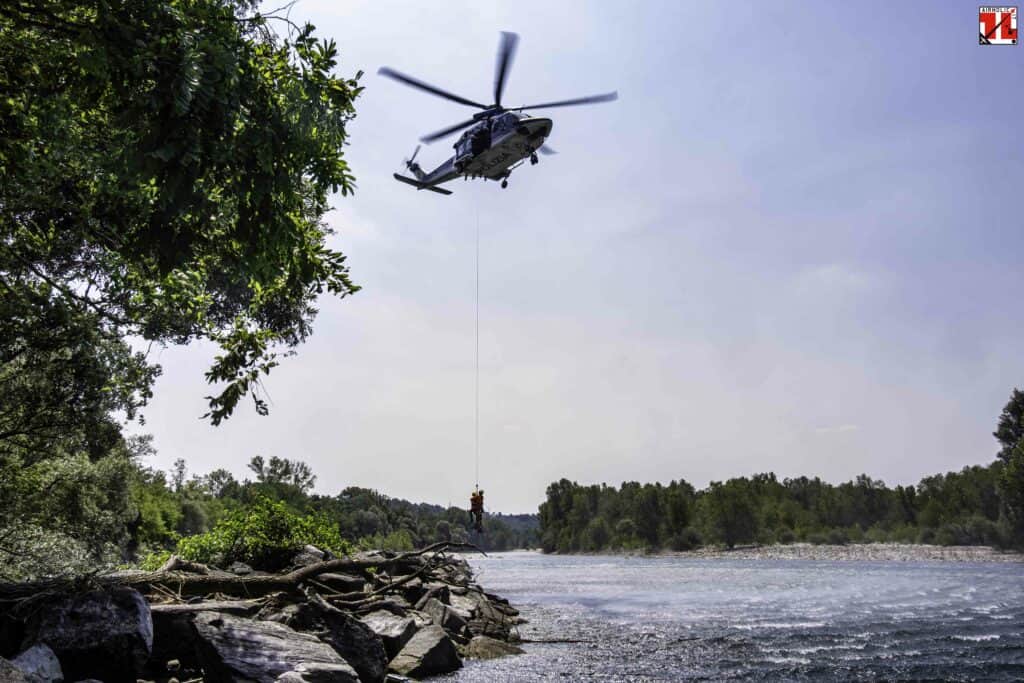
{"x":265,"y":534}
{"x":399,"y":541}
{"x":1010,"y":428}
{"x":164,"y":171}
{"x":165,"y":168}
{"x":730,"y":512}
{"x":154,"y":560}
{"x":975,"y":506}
{"x":64,"y":514}
{"x":1011,"y":488}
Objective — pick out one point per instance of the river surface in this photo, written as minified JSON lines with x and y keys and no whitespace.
{"x":670,"y":619}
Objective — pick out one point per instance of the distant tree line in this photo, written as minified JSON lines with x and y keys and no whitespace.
{"x":174,"y":506}
{"x":975,"y":506}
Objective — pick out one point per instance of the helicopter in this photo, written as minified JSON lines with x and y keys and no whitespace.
{"x":498,"y":139}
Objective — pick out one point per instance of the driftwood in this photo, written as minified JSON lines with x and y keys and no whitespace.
{"x":228,"y":606}
{"x":187,"y":583}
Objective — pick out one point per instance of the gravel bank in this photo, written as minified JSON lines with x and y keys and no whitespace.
{"x":887,"y":552}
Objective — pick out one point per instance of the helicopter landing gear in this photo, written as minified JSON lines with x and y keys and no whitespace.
{"x":533,"y":159}
{"x":504,"y":183}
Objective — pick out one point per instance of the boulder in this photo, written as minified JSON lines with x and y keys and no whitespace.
{"x":240,"y":568}
{"x":105,"y":634}
{"x":463,"y":605}
{"x":174,"y":638}
{"x":394,"y":631}
{"x":487,"y":619}
{"x":445,"y":617}
{"x":234,"y":648}
{"x":12,"y":633}
{"x":38,"y":663}
{"x":438,"y":591}
{"x":427,"y":653}
{"x":10,"y":673}
{"x":320,"y":673}
{"x":412,"y":589}
{"x":356,"y":642}
{"x":342,"y":582}
{"x":308,"y":555}
{"x":484,"y":647}
{"x":420,"y":619}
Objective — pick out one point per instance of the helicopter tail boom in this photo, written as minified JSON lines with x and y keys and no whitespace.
{"x":420,"y":185}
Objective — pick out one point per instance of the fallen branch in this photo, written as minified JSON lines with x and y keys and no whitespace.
{"x":230,"y":606}
{"x":214,"y":581}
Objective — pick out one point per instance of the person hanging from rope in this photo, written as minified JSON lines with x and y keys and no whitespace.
{"x":476,"y":509}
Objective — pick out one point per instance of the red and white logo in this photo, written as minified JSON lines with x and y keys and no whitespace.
{"x":997,"y":25}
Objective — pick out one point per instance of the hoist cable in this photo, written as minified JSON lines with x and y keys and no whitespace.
{"x":477,"y":377}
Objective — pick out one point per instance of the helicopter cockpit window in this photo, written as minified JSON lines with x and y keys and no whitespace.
{"x":504,"y":124}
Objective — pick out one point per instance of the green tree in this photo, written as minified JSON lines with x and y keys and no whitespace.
{"x":1010,"y":429}
{"x":164,"y":172}
{"x":283,"y":471}
{"x":1011,"y":487}
{"x":732,"y":515}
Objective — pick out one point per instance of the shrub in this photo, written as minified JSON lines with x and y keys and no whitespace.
{"x":786,"y":536}
{"x":927,"y":536}
{"x":837,"y":537}
{"x":687,"y":539}
{"x":400,"y":540}
{"x":265,"y":534}
{"x":817,"y":538}
{"x":949,"y":534}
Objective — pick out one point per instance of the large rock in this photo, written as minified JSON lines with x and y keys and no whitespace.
{"x":237,"y":649}
{"x":105,"y":634}
{"x":174,"y":638}
{"x":445,"y":617}
{"x":394,"y":631}
{"x":438,"y":591}
{"x":310,"y":554}
{"x":356,"y":642}
{"x":10,"y":673}
{"x":463,"y":605}
{"x":488,"y":618}
{"x":320,"y":673}
{"x":429,"y":652}
{"x":421,"y":619}
{"x":38,"y":663}
{"x":483,"y":647}
{"x":346,"y":583}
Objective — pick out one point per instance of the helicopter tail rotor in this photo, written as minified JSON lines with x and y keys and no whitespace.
{"x":411,"y":164}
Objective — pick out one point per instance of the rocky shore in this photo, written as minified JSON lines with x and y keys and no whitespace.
{"x":881,"y":552}
{"x":370,"y":617}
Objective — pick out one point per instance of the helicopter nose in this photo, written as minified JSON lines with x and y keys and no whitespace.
{"x":536,"y":128}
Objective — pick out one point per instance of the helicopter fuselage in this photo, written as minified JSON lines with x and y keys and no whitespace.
{"x":490,"y":149}
{"x":496,"y":138}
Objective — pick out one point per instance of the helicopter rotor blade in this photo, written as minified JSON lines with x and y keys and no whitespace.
{"x":414,"y":153}
{"x":426,"y":87}
{"x":445,"y":132}
{"x":506,"y":55}
{"x":545,"y":149}
{"x":592,"y":99}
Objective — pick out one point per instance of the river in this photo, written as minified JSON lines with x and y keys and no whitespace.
{"x":672,"y":618}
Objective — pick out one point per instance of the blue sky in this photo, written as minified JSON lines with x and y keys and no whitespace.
{"x":793,"y":244}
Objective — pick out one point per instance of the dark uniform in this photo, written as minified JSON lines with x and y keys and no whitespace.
{"x":476,"y":510}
